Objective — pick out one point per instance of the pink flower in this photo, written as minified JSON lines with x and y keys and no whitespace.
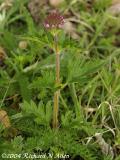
{"x":54,"y":21}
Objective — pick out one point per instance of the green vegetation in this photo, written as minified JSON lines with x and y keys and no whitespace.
{"x":89,"y":97}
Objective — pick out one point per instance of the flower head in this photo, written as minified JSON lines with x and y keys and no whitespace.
{"x":54,"y":21}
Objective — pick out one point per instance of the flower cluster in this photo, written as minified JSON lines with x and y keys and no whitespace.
{"x":54,"y":21}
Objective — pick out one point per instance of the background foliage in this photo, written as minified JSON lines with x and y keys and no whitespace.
{"x":89,"y":116}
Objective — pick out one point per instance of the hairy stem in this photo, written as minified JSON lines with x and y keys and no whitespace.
{"x":57,"y":93}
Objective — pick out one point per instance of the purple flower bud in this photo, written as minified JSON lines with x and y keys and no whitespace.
{"x":54,"y":21}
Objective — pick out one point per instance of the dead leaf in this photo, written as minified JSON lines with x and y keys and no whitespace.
{"x":115,"y":1}
{"x":34,"y":7}
{"x":70,"y":29}
{"x":55,"y":3}
{"x":4,"y":119}
{"x":114,"y":9}
{"x":23,"y":45}
{"x":6,"y":5}
{"x":89,"y":110}
{"x":11,"y":132}
{"x":2,"y":51}
{"x":2,"y":56}
{"x":105,"y":147}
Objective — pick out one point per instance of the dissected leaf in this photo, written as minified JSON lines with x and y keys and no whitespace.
{"x":24,"y":86}
{"x":42,"y":114}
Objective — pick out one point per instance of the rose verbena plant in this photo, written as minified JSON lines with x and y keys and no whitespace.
{"x":53,"y":23}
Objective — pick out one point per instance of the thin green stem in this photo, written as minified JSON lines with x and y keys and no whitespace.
{"x":78,"y":109}
{"x":63,"y":102}
{"x":5,"y":95}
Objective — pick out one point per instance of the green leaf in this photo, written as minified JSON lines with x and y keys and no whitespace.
{"x":41,"y":114}
{"x":24,"y":87}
